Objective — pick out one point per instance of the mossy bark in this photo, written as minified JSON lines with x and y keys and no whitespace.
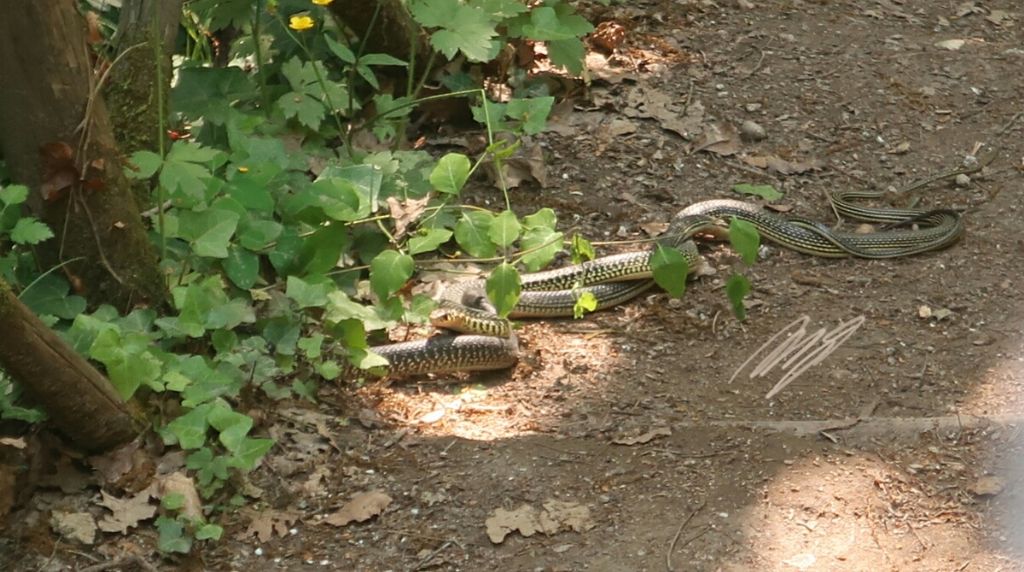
{"x":81,"y":403}
{"x":47,"y":102}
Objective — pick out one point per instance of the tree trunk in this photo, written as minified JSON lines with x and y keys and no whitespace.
{"x":134,"y":91}
{"x":79,"y":400}
{"x":56,"y":138}
{"x":394,"y":32}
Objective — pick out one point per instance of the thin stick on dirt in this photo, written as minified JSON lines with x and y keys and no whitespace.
{"x":123,"y":562}
{"x":431,"y":556}
{"x":675,"y":539}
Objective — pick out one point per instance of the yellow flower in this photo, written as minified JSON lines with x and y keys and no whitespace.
{"x":243,"y":169}
{"x":322,"y":2}
{"x":300,"y":23}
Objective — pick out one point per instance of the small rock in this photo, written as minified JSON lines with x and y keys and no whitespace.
{"x":987,"y":486}
{"x":924,"y":312}
{"x":752,"y":131}
{"x":752,"y":107}
{"x":962,"y":180}
{"x":952,"y":45}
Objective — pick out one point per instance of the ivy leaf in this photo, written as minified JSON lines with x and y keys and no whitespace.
{"x":585,"y":302}
{"x":208,"y":231}
{"x":427,"y":240}
{"x":451,"y":173}
{"x":389,"y":271}
{"x":209,"y":532}
{"x":745,"y":239}
{"x":766,"y":192}
{"x":545,"y":24}
{"x":503,"y":288}
{"x":189,"y":430}
{"x":242,"y":267}
{"x":29,"y":230}
{"x":504,"y":229}
{"x":472,"y":233}
{"x":250,"y":451}
{"x":670,"y":270}
{"x":171,"y":537}
{"x":568,"y":54}
{"x":737,"y":288}
{"x":311,"y":294}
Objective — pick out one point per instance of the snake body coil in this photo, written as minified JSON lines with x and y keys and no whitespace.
{"x":618,"y":278}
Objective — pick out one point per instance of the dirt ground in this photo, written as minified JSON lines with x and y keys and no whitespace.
{"x":619,"y":442}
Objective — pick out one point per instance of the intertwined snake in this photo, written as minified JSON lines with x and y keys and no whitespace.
{"x":490,"y":343}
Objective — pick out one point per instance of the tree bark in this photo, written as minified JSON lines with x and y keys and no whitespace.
{"x":79,"y":400}
{"x":55,"y":135}
{"x":134,"y":90}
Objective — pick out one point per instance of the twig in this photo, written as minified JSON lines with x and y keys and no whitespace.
{"x":675,"y":539}
{"x":122,"y":562}
{"x":431,"y":556}
{"x":757,"y":66}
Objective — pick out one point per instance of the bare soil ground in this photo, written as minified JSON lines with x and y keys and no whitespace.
{"x":621,"y":434}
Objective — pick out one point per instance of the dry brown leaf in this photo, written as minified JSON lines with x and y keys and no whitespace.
{"x":16,"y":442}
{"x":556,"y":516}
{"x":266,"y":523}
{"x":405,"y":213}
{"x":654,"y":228}
{"x":77,"y":526}
{"x":644,"y":438}
{"x":782,"y":166}
{"x":126,"y":512}
{"x":720,"y":139}
{"x":114,"y":465}
{"x":526,"y":165}
{"x":314,"y":484}
{"x":361,"y":508}
{"x":650,"y":103}
{"x":182,"y":484}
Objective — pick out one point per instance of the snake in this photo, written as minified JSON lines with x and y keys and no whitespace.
{"x":483,"y":341}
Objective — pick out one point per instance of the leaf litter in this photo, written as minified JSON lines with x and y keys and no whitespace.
{"x":554,"y":517}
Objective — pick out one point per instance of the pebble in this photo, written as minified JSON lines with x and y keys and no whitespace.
{"x":962,"y":180}
{"x":752,"y":131}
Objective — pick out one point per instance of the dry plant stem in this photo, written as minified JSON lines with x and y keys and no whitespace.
{"x":679,"y":532}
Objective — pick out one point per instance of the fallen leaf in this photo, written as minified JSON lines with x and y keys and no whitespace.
{"x":556,"y":516}
{"x":781,"y":165}
{"x":952,"y":45}
{"x":77,"y":526}
{"x":720,"y":139}
{"x":405,"y":213}
{"x":988,"y":486}
{"x":314,"y":484}
{"x":266,"y":523}
{"x":114,"y":465}
{"x":180,"y":483}
{"x":526,"y":165}
{"x":16,"y":442}
{"x":126,"y":512}
{"x":649,"y":103}
{"x":361,"y":508}
{"x":58,"y":169}
{"x":654,"y":228}
{"x":644,"y":438}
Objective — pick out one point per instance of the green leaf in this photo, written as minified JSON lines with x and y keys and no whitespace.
{"x":341,"y":50}
{"x":381,"y":60}
{"x":251,"y":451}
{"x":472,"y":232}
{"x":540,"y":245}
{"x":451,"y":173}
{"x":544,"y":218}
{"x":428,"y":239}
{"x":50,"y":296}
{"x":582,"y":250}
{"x":737,"y":288}
{"x":766,"y":192}
{"x":172,"y":501}
{"x":14,"y":194}
{"x":670,"y":270}
{"x":585,"y":302}
{"x":504,"y":229}
{"x":210,"y":93}
{"x":503,"y":288}
{"x":532,"y":112}
{"x":29,"y":230}
{"x":302,"y":107}
{"x":311,"y":294}
{"x":208,"y":231}
{"x":146,"y":164}
{"x":389,"y":271}
{"x":329,"y":370}
{"x":171,"y":537}
{"x":242,"y":267}
{"x":568,"y":54}
{"x":745,"y":239}
{"x":189,"y":430}
{"x":464,"y":28}
{"x":547,"y":24}
{"x":311,"y":346}
{"x":209,"y":532}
